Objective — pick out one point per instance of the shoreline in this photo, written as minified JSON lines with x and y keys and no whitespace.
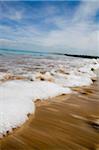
{"x":75,"y":82}
{"x":69,"y":113}
{"x":40,"y":102}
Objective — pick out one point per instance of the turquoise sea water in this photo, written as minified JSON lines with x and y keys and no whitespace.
{"x":24,"y":52}
{"x":24,"y":62}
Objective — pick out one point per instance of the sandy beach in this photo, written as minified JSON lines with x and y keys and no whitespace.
{"x":66,"y":122}
{"x":49,"y":75}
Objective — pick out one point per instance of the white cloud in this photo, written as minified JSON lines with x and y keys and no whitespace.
{"x":80,"y":35}
{"x":12,"y":13}
{"x":18,"y":15}
{"x":86,"y":10}
{"x":7,"y":42}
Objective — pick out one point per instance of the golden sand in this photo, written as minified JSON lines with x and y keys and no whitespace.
{"x":68,"y":122}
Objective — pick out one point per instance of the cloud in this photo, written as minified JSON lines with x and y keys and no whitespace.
{"x":86,"y":11}
{"x":55,"y":31}
{"x":12,"y":13}
{"x":7,"y":43}
{"x":16,"y":16}
{"x":81,"y":34}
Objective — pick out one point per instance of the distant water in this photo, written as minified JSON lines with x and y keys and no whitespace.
{"x":24,"y":62}
{"x":23,"y":52}
{"x":9,"y":54}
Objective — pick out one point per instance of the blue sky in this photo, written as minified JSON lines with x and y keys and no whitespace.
{"x":50,"y":26}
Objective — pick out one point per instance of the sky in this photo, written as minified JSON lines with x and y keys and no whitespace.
{"x":50,"y":26}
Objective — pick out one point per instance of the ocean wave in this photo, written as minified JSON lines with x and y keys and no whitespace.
{"x":23,"y":85}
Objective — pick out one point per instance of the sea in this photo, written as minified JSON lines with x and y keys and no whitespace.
{"x":25,"y":61}
{"x":22,"y":62}
{"x":26,"y":52}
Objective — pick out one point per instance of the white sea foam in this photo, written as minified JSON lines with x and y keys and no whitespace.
{"x":2,"y":75}
{"x":17,"y":97}
{"x":17,"y":100}
{"x":74,"y":81}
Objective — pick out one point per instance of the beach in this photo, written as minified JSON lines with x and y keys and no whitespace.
{"x":49,"y":102}
{"x":49,"y":75}
{"x":61,"y":123}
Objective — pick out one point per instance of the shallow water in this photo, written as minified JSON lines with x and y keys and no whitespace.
{"x":64,"y":123}
{"x":25,"y":64}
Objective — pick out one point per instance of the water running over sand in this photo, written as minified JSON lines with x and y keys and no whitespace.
{"x":58,"y":75}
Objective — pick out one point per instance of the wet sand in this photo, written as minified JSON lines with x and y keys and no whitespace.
{"x":64,"y":123}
